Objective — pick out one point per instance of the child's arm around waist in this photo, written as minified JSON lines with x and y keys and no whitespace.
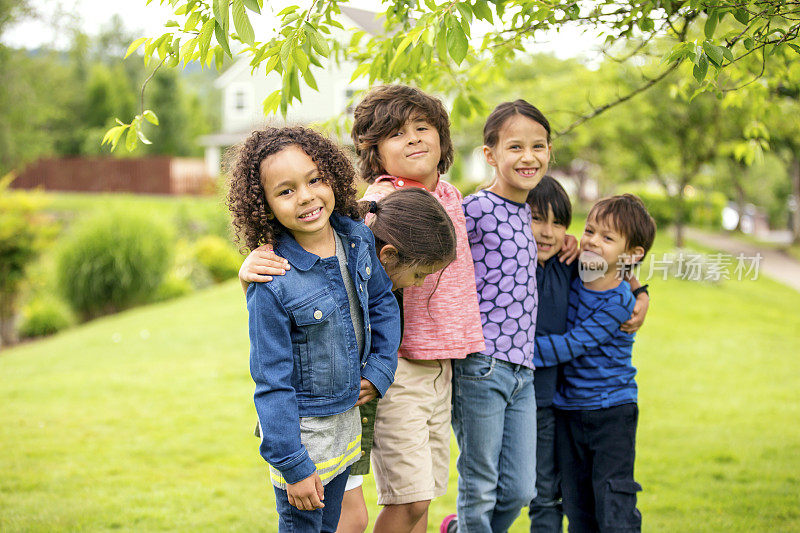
{"x":271,"y":366}
{"x":384,"y":319}
{"x":597,"y":329}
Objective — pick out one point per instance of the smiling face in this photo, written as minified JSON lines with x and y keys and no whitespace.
{"x":297,"y":194}
{"x":520,"y":157}
{"x":548,"y":233}
{"x":604,"y":252}
{"x":412,"y":151}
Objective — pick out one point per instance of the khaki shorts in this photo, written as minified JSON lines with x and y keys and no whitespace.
{"x":411,"y":451}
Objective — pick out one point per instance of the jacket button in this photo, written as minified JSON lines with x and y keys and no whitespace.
{"x":368,"y":271}
{"x":352,"y":245}
{"x":363,"y":453}
{"x":364,"y":420}
{"x":317,"y":314}
{"x":400,"y":183}
{"x":360,"y":287}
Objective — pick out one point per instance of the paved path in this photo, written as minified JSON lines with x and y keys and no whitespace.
{"x":774,"y":263}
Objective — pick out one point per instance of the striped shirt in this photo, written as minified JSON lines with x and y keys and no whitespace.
{"x":599,"y":373}
{"x":441,"y":318}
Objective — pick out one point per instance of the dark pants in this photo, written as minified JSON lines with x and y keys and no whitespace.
{"x":293,"y":520}
{"x":545,"y":511}
{"x":595,"y":452}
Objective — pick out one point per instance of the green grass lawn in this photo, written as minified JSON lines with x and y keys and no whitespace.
{"x":143,"y":421}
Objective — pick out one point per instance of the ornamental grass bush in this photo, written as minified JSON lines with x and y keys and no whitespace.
{"x":113,"y":261}
{"x":217,"y":256}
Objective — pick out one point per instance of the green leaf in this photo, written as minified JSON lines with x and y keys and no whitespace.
{"x":300,"y":58}
{"x":172,"y":24}
{"x":457,"y":44}
{"x":711,"y":25}
{"x":219,"y":57}
{"x":112,"y":136}
{"x":182,"y":10}
{"x":749,"y":43}
{"x":287,"y":10}
{"x":205,"y":35}
{"x":134,"y":45}
{"x":187,"y":49}
{"x":252,"y":5}
{"x":221,"y":14}
{"x":361,"y":69}
{"x":441,"y":44}
{"x":272,"y":62}
{"x":714,"y":53}
{"x":727,"y":53}
{"x":318,"y":42}
{"x":482,"y":10}
{"x":140,"y":134}
{"x":294,"y":84}
{"x":150,"y":117}
{"x":222,"y":38}
{"x":286,"y":49}
{"x":130,"y":139}
{"x":191,"y":22}
{"x":407,"y":40}
{"x":741,"y":15}
{"x":700,"y":69}
{"x":242,"y":23}
{"x":464,"y":9}
{"x":794,"y":47}
{"x":309,"y":79}
{"x":272,"y":102}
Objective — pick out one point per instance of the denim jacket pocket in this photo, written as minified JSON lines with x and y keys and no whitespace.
{"x":320,"y":346}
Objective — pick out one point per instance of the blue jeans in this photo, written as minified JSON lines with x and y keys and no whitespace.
{"x":293,"y":520}
{"x":494,"y":419}
{"x":546,"y":513}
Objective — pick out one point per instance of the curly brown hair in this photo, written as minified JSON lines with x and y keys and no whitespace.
{"x":246,"y":199}
{"x":382,"y":111}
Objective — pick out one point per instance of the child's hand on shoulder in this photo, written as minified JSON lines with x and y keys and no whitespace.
{"x":570,"y":250}
{"x":379,"y":189}
{"x":368,"y":392}
{"x":306,"y":494}
{"x":260,"y":265}
{"x":636,"y":320}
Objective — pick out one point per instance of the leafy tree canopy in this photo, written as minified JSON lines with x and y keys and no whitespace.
{"x":457,"y":47}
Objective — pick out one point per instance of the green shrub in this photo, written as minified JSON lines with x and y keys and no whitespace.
{"x":113,"y":261}
{"x":218,"y":256}
{"x":24,"y":231}
{"x":173,"y":286}
{"x":44,"y":316}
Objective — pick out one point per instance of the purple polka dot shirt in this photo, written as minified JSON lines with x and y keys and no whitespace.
{"x":504,"y":253}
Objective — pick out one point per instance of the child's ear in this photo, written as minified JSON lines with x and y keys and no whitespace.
{"x":635,"y":255}
{"x":489,"y":155}
{"x":388,"y":255}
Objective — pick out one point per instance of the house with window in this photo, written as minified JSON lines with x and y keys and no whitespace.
{"x":244,"y":90}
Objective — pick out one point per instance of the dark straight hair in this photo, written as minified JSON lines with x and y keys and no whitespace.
{"x":417,"y":225}
{"x":505,"y":111}
{"x":549,"y":193}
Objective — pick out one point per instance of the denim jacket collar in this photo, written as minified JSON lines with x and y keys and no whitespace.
{"x":287,"y":247}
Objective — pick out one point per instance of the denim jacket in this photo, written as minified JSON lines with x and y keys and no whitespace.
{"x":303,"y":351}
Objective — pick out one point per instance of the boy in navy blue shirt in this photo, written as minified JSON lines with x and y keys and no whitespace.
{"x":596,"y":411}
{"x":551,"y":216}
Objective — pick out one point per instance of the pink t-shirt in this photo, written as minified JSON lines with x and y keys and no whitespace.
{"x":444,"y":323}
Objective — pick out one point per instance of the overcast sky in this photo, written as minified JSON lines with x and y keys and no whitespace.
{"x":149,"y":19}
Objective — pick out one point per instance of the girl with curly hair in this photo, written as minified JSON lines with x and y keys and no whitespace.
{"x":323,"y":337}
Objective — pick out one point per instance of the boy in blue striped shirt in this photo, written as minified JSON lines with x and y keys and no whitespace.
{"x":596,"y":410}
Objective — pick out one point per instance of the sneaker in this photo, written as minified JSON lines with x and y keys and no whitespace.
{"x":449,"y":524}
